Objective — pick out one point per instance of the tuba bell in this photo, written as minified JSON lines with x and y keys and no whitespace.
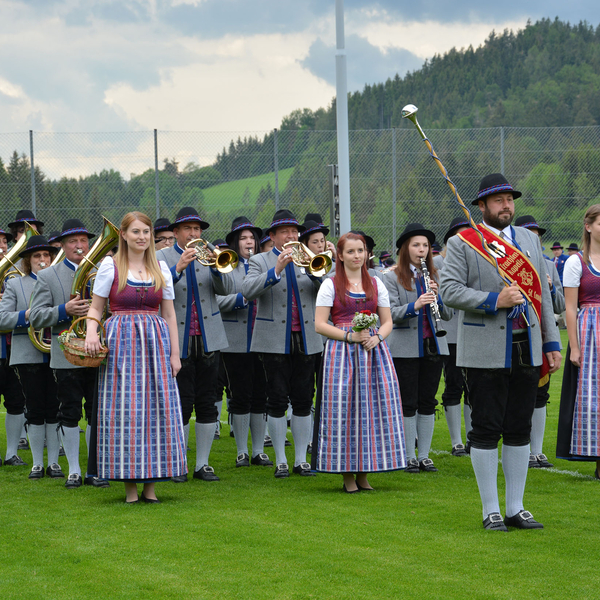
{"x":316,"y":264}
{"x":224,"y":261}
{"x":9,"y":265}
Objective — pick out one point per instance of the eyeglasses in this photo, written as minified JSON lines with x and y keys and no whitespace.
{"x":167,"y":240}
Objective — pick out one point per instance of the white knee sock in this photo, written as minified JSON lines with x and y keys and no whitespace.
{"x":515,"y":463}
{"x":37,"y":435}
{"x":241,"y":426}
{"x":302,"y":433}
{"x":485,"y":465}
{"x":467,"y":414}
{"x":277,"y":431}
{"x":52,"y":443}
{"x":23,"y":435}
{"x":205,"y":434}
{"x":538,"y":425}
{"x":410,"y":434}
{"x":88,"y":435}
{"x":219,"y":406}
{"x":258,"y":427}
{"x":14,"y":426}
{"x":70,"y":440}
{"x":425,"y":425}
{"x":454,"y":425}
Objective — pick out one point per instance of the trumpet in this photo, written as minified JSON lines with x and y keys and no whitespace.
{"x":435,"y":309}
{"x":224,"y":261}
{"x":316,"y":264}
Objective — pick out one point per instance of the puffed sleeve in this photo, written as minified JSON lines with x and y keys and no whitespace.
{"x":168,"y":292}
{"x":326,"y":293}
{"x":572,"y":272}
{"x":383,"y":296}
{"x":104,"y":277}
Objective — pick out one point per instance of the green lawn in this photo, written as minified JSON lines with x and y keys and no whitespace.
{"x":251,"y":536}
{"x":226,"y":196}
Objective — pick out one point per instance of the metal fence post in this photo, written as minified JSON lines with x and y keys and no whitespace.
{"x":276,"y":168}
{"x":502,"y":150}
{"x":32,"y":172}
{"x":393,"y":186}
{"x":156,"y":190}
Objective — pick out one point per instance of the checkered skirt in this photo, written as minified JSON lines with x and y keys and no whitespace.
{"x":140,"y":428}
{"x":585,"y":436}
{"x":360,"y":427}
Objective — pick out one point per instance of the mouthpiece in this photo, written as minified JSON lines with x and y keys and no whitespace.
{"x":43,"y":265}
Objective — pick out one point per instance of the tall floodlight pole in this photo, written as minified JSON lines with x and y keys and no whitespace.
{"x":341,"y":105}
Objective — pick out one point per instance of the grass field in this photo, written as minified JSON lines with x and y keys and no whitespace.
{"x":225,"y":196}
{"x":251,"y":536}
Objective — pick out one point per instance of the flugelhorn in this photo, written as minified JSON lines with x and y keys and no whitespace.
{"x":316,"y":264}
{"x":435,"y":309}
{"x":224,"y":261}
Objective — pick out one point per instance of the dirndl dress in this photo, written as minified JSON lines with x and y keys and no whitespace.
{"x":139,"y":422}
{"x":579,"y":417}
{"x":360,"y":426}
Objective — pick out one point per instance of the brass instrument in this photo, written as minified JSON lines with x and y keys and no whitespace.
{"x":83,"y":282}
{"x":435,"y":309}
{"x":37,"y":335}
{"x":317,"y":265}
{"x":9,"y":263}
{"x":224,"y":261}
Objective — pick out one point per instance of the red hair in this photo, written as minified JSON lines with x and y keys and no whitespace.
{"x":340,"y":279}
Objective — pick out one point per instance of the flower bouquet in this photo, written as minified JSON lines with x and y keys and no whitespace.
{"x":365,"y":319}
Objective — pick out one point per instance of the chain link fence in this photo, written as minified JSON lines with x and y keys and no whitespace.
{"x":393,"y":179}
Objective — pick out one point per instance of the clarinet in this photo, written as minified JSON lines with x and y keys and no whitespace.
{"x":435,"y":309}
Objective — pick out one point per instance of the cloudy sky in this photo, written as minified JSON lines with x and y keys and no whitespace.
{"x":220,"y":65}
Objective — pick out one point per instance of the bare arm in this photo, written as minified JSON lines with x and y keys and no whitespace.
{"x":92,"y":341}
{"x":571,"y":298}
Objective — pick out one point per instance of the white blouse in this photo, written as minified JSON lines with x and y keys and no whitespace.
{"x":106,"y":275}
{"x":326,"y":294}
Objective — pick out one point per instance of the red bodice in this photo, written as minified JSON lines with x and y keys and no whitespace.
{"x":134,"y":298}
{"x":341,"y":313}
{"x":589,"y":286}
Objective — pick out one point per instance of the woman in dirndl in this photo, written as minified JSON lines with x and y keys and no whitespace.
{"x":359,"y":428}
{"x":579,"y":418}
{"x":140,"y":428}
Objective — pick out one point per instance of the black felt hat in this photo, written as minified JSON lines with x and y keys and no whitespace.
{"x":368,"y":239}
{"x":495,"y":183}
{"x":52,"y":236}
{"x":265,"y":236}
{"x":161,"y":224}
{"x":316,"y":217}
{"x":456,"y":223}
{"x":436,"y":248}
{"x":313,"y":227}
{"x":573,"y":246}
{"x":413,"y":229}
{"x":529,"y":222}
{"x":26,"y":215}
{"x":285,"y":217}
{"x":239,"y":224}
{"x":220,"y":243}
{"x":36,"y":243}
{"x":187,"y":214}
{"x":556,"y":246}
{"x":73,"y":227}
{"x":6,"y":234}
{"x":384,"y":254}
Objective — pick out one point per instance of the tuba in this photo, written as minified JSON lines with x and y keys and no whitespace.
{"x":317,"y":265}
{"x":224,"y":261}
{"x":83,"y":282}
{"x":37,"y":335}
{"x":9,"y":264}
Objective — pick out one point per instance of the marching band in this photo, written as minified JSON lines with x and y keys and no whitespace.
{"x":176,"y":307}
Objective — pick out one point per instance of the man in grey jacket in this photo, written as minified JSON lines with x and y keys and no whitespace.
{"x":284,"y":334}
{"x":504,"y":331}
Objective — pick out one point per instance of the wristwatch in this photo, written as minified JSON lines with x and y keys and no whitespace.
{"x":380,"y":337}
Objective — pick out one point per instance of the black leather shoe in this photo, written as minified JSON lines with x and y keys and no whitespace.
{"x":179,"y":478}
{"x":96,"y":482}
{"x":309,"y":449}
{"x":136,"y":501}
{"x":37,"y":472}
{"x":364,"y":489}
{"x":427,"y":465}
{"x":287,"y":443}
{"x":533,"y":462}
{"x":242,"y":460}
{"x":494,"y":522}
{"x":73,"y":481}
{"x":23,"y":444}
{"x":61,"y":451}
{"x":459,"y":450}
{"x":543,"y":462}
{"x":54,"y":471}
{"x":15,"y":461}
{"x":304,"y":470}
{"x":523,"y":520}
{"x":268,"y":443}
{"x":262,"y":460}
{"x":206,"y":473}
{"x":412,"y":466}
{"x":150,"y":500}
{"x":282,"y":471}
